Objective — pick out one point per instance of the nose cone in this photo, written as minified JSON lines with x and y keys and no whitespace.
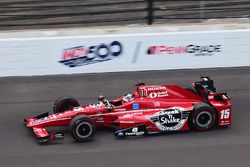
{"x":29,"y":122}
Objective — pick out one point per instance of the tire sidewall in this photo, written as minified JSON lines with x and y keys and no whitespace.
{"x":197,"y":112}
{"x":64,"y":101}
{"x":80,"y":120}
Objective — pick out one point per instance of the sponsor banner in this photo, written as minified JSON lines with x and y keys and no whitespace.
{"x":131,"y":52}
{"x":85,"y":55}
{"x":195,"y":50}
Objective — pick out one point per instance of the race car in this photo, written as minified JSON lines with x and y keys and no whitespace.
{"x":148,"y":110}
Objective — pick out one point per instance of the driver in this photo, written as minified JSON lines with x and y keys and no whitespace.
{"x":105,"y":102}
{"x":127,"y":98}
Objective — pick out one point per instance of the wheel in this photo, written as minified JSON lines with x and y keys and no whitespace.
{"x":82,"y":128}
{"x":191,"y":89}
{"x":203,"y":117}
{"x":64,"y":104}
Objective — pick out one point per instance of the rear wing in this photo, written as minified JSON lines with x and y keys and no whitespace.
{"x":206,"y":84}
{"x":206,"y":89}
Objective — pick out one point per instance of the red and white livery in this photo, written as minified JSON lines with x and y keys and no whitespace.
{"x":149,"y":109}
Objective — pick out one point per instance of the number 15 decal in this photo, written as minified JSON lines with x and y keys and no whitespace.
{"x":225,"y":114}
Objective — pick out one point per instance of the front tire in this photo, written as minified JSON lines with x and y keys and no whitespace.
{"x":203,"y":118}
{"x":64,"y":104}
{"x":82,"y":128}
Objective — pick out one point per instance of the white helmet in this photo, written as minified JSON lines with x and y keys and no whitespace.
{"x":128,"y":98}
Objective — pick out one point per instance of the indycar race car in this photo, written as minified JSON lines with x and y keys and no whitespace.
{"x":148,"y":110}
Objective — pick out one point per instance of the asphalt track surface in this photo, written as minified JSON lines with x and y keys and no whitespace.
{"x":27,"y":96}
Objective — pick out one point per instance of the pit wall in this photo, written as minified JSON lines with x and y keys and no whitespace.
{"x":28,"y":54}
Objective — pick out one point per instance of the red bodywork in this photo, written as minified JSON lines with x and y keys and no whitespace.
{"x":147,"y":104}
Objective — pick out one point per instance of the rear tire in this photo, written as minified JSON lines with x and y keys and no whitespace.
{"x":64,"y":104}
{"x":203,"y":117}
{"x":82,"y":128}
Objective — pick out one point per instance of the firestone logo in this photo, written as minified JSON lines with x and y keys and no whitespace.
{"x":82,"y":55}
{"x":196,"y":50}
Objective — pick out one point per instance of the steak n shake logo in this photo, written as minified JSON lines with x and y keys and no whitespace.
{"x":169,"y":120}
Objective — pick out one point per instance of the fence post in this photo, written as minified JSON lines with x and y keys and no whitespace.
{"x":202,"y":9}
{"x":150,"y":12}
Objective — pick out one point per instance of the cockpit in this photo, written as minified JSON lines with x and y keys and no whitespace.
{"x":124,"y":99}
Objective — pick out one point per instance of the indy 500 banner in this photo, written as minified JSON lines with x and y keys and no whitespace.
{"x":126,"y":52}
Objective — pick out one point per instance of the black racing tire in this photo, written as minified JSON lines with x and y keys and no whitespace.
{"x":202,"y":118}
{"x":83,"y":128}
{"x":64,"y":104}
{"x":191,"y":89}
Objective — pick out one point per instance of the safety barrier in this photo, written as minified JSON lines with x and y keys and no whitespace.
{"x":124,"y":52}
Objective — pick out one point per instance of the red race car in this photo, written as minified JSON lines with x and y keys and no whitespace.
{"x":148,"y":110}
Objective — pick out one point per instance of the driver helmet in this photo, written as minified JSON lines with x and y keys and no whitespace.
{"x":128,"y":98}
{"x":101,"y":98}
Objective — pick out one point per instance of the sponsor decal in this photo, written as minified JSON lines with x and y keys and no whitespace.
{"x":82,"y":55}
{"x":225,"y":123}
{"x":54,"y":116}
{"x":135,"y":132}
{"x":59,"y":136}
{"x":135,"y":106}
{"x":38,"y":130}
{"x":100,"y":119}
{"x":135,"y":129}
{"x":169,"y":120}
{"x":78,"y":109}
{"x":98,"y":105}
{"x":157,"y":104}
{"x":38,"y":120}
{"x":120,"y":134}
{"x":132,"y":114}
{"x":196,"y":50}
{"x":56,"y":136}
{"x":120,"y":109}
{"x":156,"y":88}
{"x":31,"y":123}
{"x":210,"y":97}
{"x":158,"y":94}
{"x":167,"y":49}
{"x":127,"y":122}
